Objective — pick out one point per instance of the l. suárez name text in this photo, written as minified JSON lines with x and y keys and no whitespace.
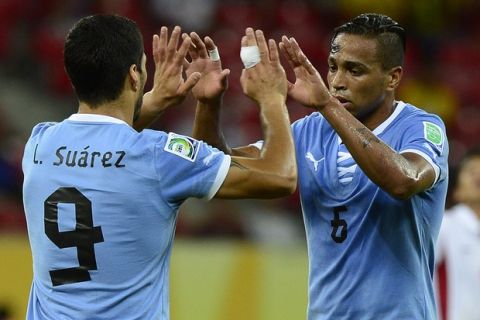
{"x":87,"y":158}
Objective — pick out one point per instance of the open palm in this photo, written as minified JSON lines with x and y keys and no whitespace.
{"x":309,"y":88}
{"x":214,"y":79}
{"x":169,"y":86}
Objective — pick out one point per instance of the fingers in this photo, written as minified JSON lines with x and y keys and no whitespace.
{"x":163,"y":37}
{"x":295,"y":56}
{"x":274,"y":57}
{"x":160,"y":44}
{"x":156,"y":48}
{"x":179,"y":58}
{"x":192,"y":50}
{"x":173,"y":42}
{"x":199,"y":45}
{"x":224,"y":74}
{"x":209,"y":44}
{"x":186,"y":64}
{"x":164,"y":49}
{"x":262,"y":45}
{"x":250,"y":35}
{"x":284,"y":52}
{"x":191,"y":81}
{"x":302,"y":58}
{"x":288,"y":51}
{"x":244,"y":41}
{"x":254,"y":48}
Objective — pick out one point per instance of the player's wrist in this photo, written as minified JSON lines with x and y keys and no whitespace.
{"x":329,"y":101}
{"x":271,"y":99}
{"x":211,"y":102}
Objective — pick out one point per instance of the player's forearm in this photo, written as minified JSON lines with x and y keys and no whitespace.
{"x":206,"y":126}
{"x":383,"y":165}
{"x":273,"y":173}
{"x":278,"y":148}
{"x":148,"y":113}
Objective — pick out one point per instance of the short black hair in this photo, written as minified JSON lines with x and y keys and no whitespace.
{"x":388,"y":33}
{"x":98,"y":53}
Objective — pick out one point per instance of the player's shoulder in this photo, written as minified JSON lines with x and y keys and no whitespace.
{"x":414,"y":120}
{"x":152,"y":135}
{"x":174,"y":143}
{"x":182,"y":146}
{"x":312,"y":119}
{"x":412,"y":114}
{"x":41,"y":127}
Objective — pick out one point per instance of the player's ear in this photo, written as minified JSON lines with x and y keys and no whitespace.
{"x":394,"y":77}
{"x":133,"y":76}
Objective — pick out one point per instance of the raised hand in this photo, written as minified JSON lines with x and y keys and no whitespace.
{"x":309,"y":88}
{"x":169,"y":86}
{"x":267,"y":78}
{"x":214,"y":79}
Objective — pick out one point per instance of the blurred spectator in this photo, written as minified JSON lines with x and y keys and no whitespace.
{"x":458,"y":245}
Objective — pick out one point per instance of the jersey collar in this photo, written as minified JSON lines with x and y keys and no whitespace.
{"x":386,"y":123}
{"x":88,"y":117}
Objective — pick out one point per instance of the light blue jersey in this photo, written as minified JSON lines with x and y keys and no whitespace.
{"x":371,"y":256}
{"x":101,"y":204}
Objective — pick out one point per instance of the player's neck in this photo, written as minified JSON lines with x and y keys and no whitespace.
{"x":379,"y":115}
{"x":115,"y":109}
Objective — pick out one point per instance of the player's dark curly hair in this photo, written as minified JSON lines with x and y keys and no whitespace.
{"x":98,"y":53}
{"x":389,"y":34}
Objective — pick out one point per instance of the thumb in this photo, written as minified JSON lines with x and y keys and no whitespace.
{"x":189,"y":83}
{"x":290,"y":86}
{"x":224,"y":74}
{"x":243,"y":81}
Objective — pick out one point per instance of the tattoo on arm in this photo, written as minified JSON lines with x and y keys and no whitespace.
{"x":238,"y":165}
{"x":367,"y":137}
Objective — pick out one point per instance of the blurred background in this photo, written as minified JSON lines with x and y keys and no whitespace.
{"x":231,"y":260}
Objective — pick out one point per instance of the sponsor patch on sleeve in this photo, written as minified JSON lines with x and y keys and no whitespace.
{"x":182,"y":146}
{"x":433,"y":133}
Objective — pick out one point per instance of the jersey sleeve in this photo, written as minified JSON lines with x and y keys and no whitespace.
{"x":189,"y":168}
{"x":29,"y":149}
{"x":426,"y":137}
{"x":40,"y":128}
{"x":442,"y":239}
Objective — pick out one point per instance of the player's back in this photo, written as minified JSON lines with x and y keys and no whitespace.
{"x":100,"y":220}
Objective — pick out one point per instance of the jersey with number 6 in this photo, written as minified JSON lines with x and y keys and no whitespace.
{"x":101,"y":203}
{"x":371,"y":256}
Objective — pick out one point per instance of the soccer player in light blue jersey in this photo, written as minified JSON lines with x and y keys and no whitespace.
{"x":372,"y":177}
{"x":101,"y":198}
